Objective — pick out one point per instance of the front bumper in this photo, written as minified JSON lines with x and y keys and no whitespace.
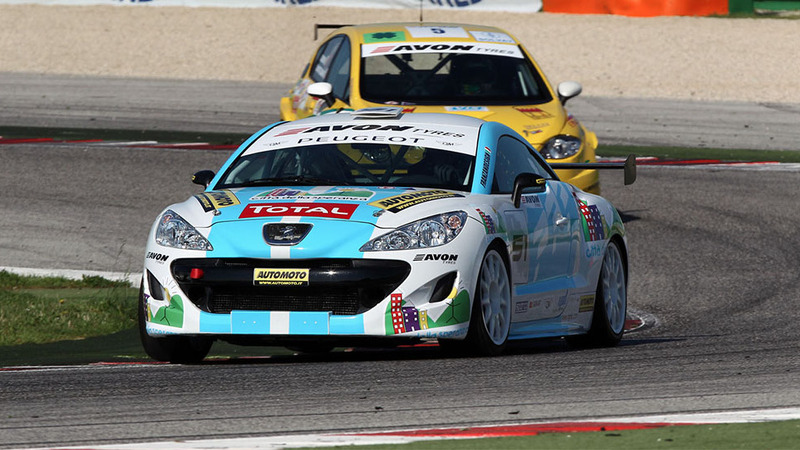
{"x":345,"y":297}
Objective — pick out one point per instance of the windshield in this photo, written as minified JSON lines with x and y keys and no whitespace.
{"x":451,"y":78}
{"x":351,"y":165}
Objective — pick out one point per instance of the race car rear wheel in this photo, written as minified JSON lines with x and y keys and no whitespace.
{"x":175,"y":349}
{"x":610,"y":304}
{"x":491,"y":308}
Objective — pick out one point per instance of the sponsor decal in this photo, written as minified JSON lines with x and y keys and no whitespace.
{"x":521,"y":307}
{"x":333,"y":194}
{"x":501,"y":226}
{"x":400,"y":202}
{"x":330,"y":210}
{"x":437,"y":32}
{"x":533,"y":112}
{"x":212,"y":200}
{"x":280,"y":277}
{"x":587,"y":303}
{"x":532,"y":201}
{"x":157,"y":256}
{"x":398,"y":324}
{"x":404,"y":129}
{"x":170,"y":315}
{"x":491,"y":36}
{"x":379,"y":49}
{"x":385,"y":36}
{"x":594,"y":224}
{"x":572,"y":121}
{"x":329,"y":128}
{"x":361,"y":138}
{"x":487,"y":158}
{"x":466,"y":108}
{"x":402,"y":317}
{"x":488,"y":222}
{"x":594,"y":249}
{"x":447,"y":258}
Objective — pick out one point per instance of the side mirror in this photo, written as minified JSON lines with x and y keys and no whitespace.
{"x":567,"y":90}
{"x":322,"y":90}
{"x":203,"y":178}
{"x":524,"y":181}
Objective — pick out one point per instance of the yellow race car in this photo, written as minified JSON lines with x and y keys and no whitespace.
{"x":473,"y":70}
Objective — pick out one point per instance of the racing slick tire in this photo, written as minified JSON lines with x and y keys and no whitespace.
{"x":610,"y":304}
{"x":174,"y":349}
{"x":490,"y":320}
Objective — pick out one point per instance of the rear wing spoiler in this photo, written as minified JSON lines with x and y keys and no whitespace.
{"x":327,"y":26}
{"x":629,"y":166}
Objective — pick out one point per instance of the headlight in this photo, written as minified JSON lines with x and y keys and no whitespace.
{"x":174,"y":231}
{"x":561,"y":147}
{"x":429,"y":232}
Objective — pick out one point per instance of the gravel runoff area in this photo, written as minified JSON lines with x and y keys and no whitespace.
{"x":700,"y":58}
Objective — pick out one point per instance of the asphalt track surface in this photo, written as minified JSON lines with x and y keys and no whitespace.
{"x":714,"y":268}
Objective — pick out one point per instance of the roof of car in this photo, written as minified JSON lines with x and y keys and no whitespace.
{"x":426,"y":31}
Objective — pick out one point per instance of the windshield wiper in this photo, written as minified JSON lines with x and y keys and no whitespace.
{"x":272,"y":181}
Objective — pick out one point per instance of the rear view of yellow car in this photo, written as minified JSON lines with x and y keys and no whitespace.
{"x":478,"y":71}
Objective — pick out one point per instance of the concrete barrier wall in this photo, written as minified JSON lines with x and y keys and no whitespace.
{"x":474,"y":5}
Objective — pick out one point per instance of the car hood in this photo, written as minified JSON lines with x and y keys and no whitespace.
{"x":342,"y":218}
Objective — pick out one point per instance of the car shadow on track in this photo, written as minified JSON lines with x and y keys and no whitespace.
{"x":420,"y":352}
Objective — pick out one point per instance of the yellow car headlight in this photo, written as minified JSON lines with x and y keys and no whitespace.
{"x":561,"y":147}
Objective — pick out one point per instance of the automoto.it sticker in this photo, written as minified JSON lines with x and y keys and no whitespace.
{"x":400,"y":202}
{"x":216,"y":199}
{"x":280,"y":277}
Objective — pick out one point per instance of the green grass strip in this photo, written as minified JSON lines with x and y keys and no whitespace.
{"x":48,"y":309}
{"x":767,"y":435}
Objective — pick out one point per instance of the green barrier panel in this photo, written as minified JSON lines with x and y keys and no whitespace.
{"x":777,"y":5}
{"x":740,"y":6}
{"x":749,"y":6}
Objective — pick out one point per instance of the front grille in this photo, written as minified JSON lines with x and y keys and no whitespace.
{"x":339,"y":302}
{"x":341,"y":286}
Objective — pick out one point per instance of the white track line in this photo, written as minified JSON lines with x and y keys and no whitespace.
{"x":329,"y":440}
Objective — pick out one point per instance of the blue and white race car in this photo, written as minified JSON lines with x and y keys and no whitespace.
{"x":375,"y":227}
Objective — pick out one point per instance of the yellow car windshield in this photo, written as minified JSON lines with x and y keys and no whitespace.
{"x":451,"y":79}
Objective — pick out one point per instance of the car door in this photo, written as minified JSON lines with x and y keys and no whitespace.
{"x":542,"y":249}
{"x":331,"y":64}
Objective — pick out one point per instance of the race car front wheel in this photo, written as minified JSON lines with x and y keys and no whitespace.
{"x":491,"y":308}
{"x":610,"y":304}
{"x":175,"y":349}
